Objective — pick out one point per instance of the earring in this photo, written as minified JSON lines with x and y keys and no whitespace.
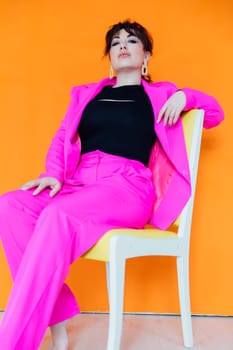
{"x":111,"y":72}
{"x":144,"y":69}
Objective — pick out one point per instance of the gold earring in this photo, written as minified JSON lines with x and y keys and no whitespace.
{"x":111,"y":72}
{"x":144,"y":69}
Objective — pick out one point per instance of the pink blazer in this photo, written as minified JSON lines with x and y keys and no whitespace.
{"x":168,"y":160}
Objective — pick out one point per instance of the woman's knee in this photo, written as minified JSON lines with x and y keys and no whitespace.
{"x":7,"y":201}
{"x":23,"y":201}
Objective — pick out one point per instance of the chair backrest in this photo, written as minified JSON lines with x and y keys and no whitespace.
{"x":192,"y":124}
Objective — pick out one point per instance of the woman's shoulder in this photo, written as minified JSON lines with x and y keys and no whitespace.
{"x":88,"y":86}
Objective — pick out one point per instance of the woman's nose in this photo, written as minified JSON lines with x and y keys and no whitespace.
{"x":123,"y":46}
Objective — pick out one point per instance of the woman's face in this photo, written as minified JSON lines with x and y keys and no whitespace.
{"x":126,"y":52}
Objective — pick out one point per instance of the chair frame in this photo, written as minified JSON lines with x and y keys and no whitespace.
{"x":123,"y":246}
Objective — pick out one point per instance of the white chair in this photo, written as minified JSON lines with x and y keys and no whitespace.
{"x":119,"y":244}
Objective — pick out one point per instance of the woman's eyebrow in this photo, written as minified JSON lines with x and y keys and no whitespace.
{"x":118,"y":37}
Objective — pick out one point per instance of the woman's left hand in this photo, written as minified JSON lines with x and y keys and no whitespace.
{"x":171,"y":110}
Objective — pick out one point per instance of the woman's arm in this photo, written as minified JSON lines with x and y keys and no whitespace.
{"x":54,"y":163}
{"x":214,"y":114}
{"x":55,"y":158}
{"x":54,"y":174}
{"x":185,"y":99}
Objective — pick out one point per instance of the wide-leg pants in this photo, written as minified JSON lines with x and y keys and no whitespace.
{"x":42,"y":236}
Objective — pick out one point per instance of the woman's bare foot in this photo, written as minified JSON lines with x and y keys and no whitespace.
{"x":59,"y":336}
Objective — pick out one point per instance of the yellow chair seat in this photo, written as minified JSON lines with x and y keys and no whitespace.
{"x":101,"y":249}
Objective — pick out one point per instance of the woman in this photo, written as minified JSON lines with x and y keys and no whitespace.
{"x":99,"y":170}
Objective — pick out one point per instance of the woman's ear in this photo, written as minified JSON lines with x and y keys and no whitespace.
{"x":147,"y":57}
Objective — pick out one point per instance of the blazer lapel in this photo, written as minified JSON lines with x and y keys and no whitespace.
{"x":170,"y":138}
{"x":80,"y":98}
{"x":83,"y":95}
{"x":155,"y":99}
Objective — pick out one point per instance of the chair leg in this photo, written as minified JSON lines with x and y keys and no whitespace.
{"x":184,"y":297}
{"x":108,"y":280}
{"x":116,"y":296}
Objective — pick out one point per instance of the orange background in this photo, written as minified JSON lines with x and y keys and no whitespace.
{"x":49,"y":46}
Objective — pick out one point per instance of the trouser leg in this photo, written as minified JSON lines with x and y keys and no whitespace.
{"x":65,"y":229}
{"x":39,"y":279}
{"x":19,"y":212}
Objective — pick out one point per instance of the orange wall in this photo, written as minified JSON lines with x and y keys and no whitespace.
{"x":49,"y":46}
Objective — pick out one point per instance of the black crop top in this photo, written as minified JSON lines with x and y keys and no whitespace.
{"x":119,"y":121}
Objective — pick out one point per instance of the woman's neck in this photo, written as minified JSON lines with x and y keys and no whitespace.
{"x":128,"y":78}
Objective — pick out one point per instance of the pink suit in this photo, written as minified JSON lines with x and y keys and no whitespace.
{"x":43,"y":236}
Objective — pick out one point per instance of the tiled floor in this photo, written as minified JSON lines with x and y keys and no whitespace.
{"x":148,"y":332}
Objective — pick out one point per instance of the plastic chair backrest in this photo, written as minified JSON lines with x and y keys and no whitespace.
{"x":192,"y":124}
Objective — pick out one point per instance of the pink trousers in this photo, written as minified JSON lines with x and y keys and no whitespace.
{"x":42,"y":236}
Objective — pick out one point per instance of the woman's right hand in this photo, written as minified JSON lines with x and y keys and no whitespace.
{"x":43,"y":183}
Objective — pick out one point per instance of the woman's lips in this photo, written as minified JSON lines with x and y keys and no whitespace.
{"x":125,"y":54}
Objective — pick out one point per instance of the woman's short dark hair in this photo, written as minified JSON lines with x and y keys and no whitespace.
{"x":133,"y":28}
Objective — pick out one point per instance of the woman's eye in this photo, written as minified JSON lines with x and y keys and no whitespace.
{"x":132,"y":41}
{"x":114,"y":43}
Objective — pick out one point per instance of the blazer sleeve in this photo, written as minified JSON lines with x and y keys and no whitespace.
{"x":213,"y":112}
{"x":55,"y":158}
{"x":54,"y":163}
